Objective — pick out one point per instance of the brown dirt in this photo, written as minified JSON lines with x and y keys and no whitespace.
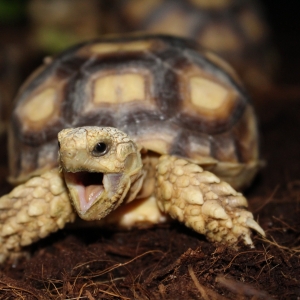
{"x":171,"y":261}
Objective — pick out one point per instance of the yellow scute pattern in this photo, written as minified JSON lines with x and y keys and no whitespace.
{"x":108,"y":48}
{"x":211,"y":4}
{"x":41,"y":106}
{"x":119,"y":88}
{"x":207,"y":94}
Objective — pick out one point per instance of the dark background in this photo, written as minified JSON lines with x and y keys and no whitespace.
{"x":284,"y":20}
{"x":61,"y":265}
{"x":283,"y":17}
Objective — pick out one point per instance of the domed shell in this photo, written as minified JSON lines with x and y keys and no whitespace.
{"x":234,"y":29}
{"x":161,"y":90}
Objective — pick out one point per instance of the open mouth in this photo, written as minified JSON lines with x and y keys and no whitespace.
{"x":86,"y":187}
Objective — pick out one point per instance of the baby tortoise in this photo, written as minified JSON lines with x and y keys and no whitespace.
{"x":148,"y":127}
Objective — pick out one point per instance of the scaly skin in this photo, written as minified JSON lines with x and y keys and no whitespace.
{"x":120,"y":164}
{"x":184,"y":190}
{"x":203,"y":202}
{"x":32,"y":211}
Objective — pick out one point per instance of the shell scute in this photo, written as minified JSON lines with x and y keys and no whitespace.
{"x":160,"y":90}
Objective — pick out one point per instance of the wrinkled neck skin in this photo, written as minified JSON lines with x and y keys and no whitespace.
{"x":98,"y":185}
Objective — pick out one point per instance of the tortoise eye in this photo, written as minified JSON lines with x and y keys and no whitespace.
{"x":100,"y":149}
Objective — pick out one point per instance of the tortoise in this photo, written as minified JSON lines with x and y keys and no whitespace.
{"x":146,"y":128}
{"x":234,"y":29}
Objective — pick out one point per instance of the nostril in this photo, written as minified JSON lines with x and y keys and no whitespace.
{"x":68,"y":154}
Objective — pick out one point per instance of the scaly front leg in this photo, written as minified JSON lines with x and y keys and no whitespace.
{"x":32,"y":211}
{"x":203,"y":202}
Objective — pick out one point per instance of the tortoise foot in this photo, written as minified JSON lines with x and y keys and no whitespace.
{"x":32,"y":211}
{"x":203,"y":202}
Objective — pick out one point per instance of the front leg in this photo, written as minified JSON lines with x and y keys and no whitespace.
{"x":203,"y":202}
{"x":32,"y":211}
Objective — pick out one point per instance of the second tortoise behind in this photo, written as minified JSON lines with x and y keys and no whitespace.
{"x":150,"y":127}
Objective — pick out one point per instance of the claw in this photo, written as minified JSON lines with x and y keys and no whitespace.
{"x":248,"y":241}
{"x":252,"y":224}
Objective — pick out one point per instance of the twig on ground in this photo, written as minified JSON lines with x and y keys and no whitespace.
{"x":206,"y":293}
{"x":16,"y":289}
{"x":267,"y":201}
{"x":292,"y":251}
{"x":251,"y":251}
{"x":242,"y":289}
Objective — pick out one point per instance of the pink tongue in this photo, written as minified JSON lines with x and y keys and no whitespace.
{"x":91,"y":193}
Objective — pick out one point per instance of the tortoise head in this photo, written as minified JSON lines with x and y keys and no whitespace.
{"x":102,"y":168}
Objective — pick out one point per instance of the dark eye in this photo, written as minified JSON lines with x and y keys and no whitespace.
{"x":58,"y":145}
{"x":100,"y":149}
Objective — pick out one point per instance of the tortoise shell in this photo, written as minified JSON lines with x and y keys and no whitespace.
{"x":161,"y":90}
{"x":234,"y":29}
